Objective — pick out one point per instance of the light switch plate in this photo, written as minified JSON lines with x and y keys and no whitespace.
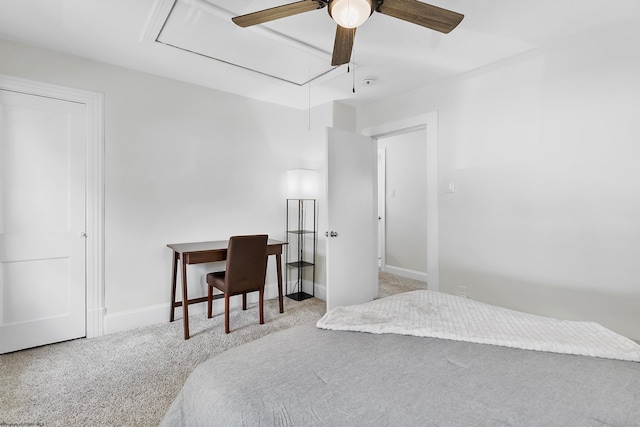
{"x":451,"y":186}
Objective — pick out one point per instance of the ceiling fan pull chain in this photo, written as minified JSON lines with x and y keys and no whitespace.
{"x":353,"y":54}
{"x":354,"y":79}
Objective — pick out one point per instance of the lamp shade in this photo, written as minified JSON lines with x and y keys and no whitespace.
{"x":350,"y":13}
{"x":302,"y":184}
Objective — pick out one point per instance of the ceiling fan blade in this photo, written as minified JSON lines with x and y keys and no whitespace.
{"x":426,"y":15}
{"x":278,"y":12}
{"x":343,"y":45}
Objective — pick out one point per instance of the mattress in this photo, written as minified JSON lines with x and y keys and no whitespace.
{"x":306,"y":376}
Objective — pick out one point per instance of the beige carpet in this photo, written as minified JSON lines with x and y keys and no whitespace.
{"x":131,"y":378}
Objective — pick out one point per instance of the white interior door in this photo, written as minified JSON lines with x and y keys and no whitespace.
{"x":42,"y":220}
{"x":352,"y":217}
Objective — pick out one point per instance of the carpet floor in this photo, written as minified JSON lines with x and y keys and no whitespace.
{"x":130,"y":378}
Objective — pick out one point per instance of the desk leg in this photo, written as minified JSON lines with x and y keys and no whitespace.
{"x":279,"y":270}
{"x":174,"y":276}
{"x":185,"y":300}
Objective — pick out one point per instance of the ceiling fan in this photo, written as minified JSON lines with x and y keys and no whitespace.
{"x":349,"y":14}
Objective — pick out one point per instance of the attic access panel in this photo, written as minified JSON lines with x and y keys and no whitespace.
{"x":205,"y":29}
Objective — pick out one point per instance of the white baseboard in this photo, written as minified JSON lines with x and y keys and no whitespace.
{"x":152,"y":315}
{"x":132,"y":319}
{"x":321,"y":292}
{"x":403,"y":272}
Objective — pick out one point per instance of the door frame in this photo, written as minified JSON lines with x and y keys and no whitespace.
{"x":382,"y":208}
{"x":430,"y":122}
{"x":94,"y":209}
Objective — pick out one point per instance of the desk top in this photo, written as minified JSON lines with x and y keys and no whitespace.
{"x":216,"y":245}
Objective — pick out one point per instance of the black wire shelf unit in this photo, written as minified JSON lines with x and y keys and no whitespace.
{"x":300,"y":253}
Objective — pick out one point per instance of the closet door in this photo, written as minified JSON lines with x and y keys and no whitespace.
{"x":42,"y":220}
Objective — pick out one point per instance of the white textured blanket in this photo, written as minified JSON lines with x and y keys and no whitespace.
{"x":439,"y":315}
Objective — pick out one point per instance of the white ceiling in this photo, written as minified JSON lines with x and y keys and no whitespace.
{"x":288,"y":61}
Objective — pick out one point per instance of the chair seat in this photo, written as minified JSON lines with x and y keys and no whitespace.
{"x":216,"y":279}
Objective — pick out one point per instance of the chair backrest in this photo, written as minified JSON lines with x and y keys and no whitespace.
{"x":246,"y":263}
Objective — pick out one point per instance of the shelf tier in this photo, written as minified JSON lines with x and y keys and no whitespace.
{"x":299,"y":296}
{"x":299,"y":264}
{"x":301,"y":232}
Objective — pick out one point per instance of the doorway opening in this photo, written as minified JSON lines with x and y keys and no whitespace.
{"x":428,"y":123}
{"x":402,"y":203}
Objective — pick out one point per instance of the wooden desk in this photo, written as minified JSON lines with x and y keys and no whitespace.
{"x":201,"y":252}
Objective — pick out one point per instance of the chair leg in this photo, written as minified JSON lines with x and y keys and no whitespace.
{"x":209,"y":302}
{"x":261,"y":303}
{"x":244,"y":301}
{"x":226,"y":313}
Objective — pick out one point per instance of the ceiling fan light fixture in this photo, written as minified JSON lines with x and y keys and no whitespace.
{"x":350,"y":13}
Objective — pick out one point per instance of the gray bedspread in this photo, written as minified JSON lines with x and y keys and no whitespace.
{"x":306,"y":376}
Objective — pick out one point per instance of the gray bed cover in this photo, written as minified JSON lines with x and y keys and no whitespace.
{"x":306,"y":376}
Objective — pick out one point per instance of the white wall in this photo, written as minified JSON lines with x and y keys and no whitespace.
{"x":406,"y":200}
{"x":544,"y":150}
{"x":182,"y":163}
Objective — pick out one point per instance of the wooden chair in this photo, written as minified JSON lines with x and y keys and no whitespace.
{"x":245,"y":272}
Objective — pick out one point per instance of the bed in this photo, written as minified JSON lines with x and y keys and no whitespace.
{"x":419,"y":359}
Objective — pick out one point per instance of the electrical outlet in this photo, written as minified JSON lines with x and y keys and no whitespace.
{"x":462,"y":291}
